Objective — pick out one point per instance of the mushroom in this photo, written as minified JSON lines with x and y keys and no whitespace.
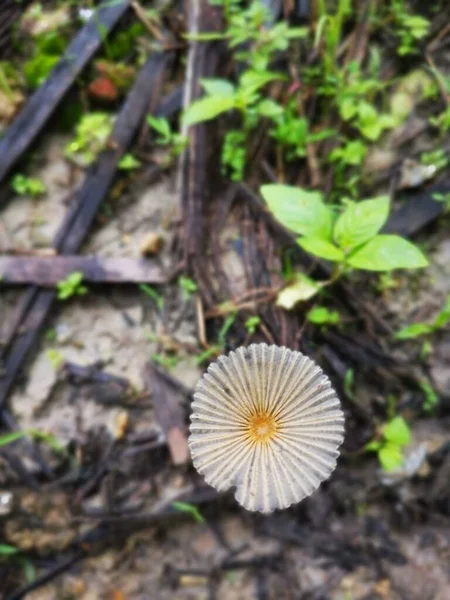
{"x":266,"y":421}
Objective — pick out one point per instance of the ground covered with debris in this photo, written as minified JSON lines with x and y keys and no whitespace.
{"x":180,"y":180}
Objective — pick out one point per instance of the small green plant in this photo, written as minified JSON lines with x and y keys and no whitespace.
{"x":129,"y":163}
{"x":48,"y":49}
{"x":416,"y":330}
{"x":351,"y":240}
{"x":48,"y":438}
{"x":188,"y":286}
{"x":91,"y":135}
{"x":153,"y":294}
{"x":27,"y":186}
{"x":410,"y":29}
{"x":7,"y":550}
{"x":320,"y":315}
{"x":349,"y":380}
{"x":71,"y":286}
{"x":191,"y":509}
{"x":56,"y":358}
{"x":245,"y":98}
{"x":175,"y":142}
{"x":259,"y":41}
{"x":437,"y":158}
{"x":431,"y":397}
{"x":444,"y":198}
{"x":252,"y":324}
{"x":394,"y":436}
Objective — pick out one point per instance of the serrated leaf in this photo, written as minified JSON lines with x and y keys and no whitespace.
{"x":300,"y":210}
{"x":207,"y":108}
{"x":217,"y":87}
{"x":413,"y":331}
{"x":303,"y":289}
{"x":387,"y":252}
{"x":390,"y":456}
{"x":361,"y":221}
{"x":321,"y":248}
{"x":397,"y":431}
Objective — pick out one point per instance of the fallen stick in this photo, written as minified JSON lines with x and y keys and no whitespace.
{"x":44,"y":101}
{"x":47,"y":272}
{"x":73,"y":231}
{"x":169,"y":413}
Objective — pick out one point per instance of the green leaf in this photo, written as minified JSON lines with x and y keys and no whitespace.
{"x":303,"y":289}
{"x":300,"y":210}
{"x":413,"y":331}
{"x":218,"y":87}
{"x":190,"y":509}
{"x":7,"y":550}
{"x":444,"y":316}
{"x":129,"y":163}
{"x":252,"y":81}
{"x":361,"y":221}
{"x":320,"y":315}
{"x":207,"y":108}
{"x":373,"y":446}
{"x":321,"y":248}
{"x":390,"y":456}
{"x":387,"y":252}
{"x":9,"y":438}
{"x":269,"y":108}
{"x":297,"y":32}
{"x":397,"y":431}
{"x":161,"y":125}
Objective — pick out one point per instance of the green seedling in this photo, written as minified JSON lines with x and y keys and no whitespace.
{"x":7,"y":550}
{"x":349,"y":380}
{"x":56,"y":358}
{"x":245,"y":98}
{"x":416,"y":330}
{"x":410,"y":29}
{"x":191,"y":509}
{"x":351,"y":240}
{"x":431,"y":397}
{"x":48,"y":50}
{"x":27,"y":186}
{"x":129,"y":163}
{"x":175,"y":142}
{"x":252,"y":324}
{"x":259,"y":41}
{"x":71,"y":286}
{"x":153,"y":294}
{"x":91,"y":135}
{"x":444,"y":198}
{"x":188,"y":286}
{"x":49,"y":439}
{"x":320,"y":315}
{"x":394,"y":436}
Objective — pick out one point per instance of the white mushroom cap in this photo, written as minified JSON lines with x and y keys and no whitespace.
{"x":265,"y":420}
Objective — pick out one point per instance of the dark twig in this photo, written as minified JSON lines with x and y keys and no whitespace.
{"x":87,"y":201}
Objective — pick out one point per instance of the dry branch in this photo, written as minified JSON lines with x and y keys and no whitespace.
{"x":47,"y":272}
{"x":36,"y":305}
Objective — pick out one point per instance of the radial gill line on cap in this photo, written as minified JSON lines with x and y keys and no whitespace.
{"x":266,"y":421}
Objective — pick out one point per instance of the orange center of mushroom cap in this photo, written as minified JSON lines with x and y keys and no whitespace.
{"x":262,"y":427}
